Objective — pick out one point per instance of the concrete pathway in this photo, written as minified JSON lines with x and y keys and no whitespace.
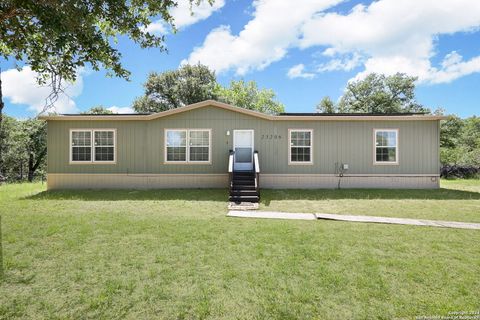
{"x":352,"y":218}
{"x":271,"y":215}
{"x":413,"y":222}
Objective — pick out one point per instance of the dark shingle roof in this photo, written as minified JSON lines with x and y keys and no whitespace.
{"x":350,"y":114}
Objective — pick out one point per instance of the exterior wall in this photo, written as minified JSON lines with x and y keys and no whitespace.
{"x":140,"y":148}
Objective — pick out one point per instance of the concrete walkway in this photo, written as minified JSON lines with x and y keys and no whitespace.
{"x":352,"y":218}
{"x":271,"y":215}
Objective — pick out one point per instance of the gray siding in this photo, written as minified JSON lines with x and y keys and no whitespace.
{"x":140,"y":145}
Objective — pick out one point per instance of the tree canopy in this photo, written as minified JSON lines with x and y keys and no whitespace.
{"x":176,"y":88}
{"x":195,"y":83}
{"x":247,"y":95}
{"x":378,"y":93}
{"x":97,"y":110}
{"x":58,"y":36}
{"x":25,"y":148}
{"x":326,"y":105}
{"x":460,"y":141}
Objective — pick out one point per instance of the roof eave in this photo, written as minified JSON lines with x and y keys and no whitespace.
{"x":222,"y":105}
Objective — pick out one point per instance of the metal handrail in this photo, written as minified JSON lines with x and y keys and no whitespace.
{"x":256,"y":163}
{"x":256,"y":167}
{"x":230,"y":168}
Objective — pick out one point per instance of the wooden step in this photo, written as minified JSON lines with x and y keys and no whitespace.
{"x":244,"y":183}
{"x":244,"y":187}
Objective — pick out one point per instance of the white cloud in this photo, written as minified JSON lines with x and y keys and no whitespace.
{"x":157,"y":27}
{"x":454,"y":67}
{"x":385,"y":36}
{"x":183,"y":13}
{"x":397,"y":36}
{"x":345,"y":64}
{"x":297,"y":71}
{"x":186,"y":14}
{"x":275,"y":28}
{"x":116,"y":109}
{"x":21,"y":87}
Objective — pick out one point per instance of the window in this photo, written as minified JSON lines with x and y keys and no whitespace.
{"x":386,"y":146}
{"x":104,"y":146}
{"x":300,"y":146}
{"x":81,"y":146}
{"x":199,"y":145}
{"x":176,"y":145}
{"x":183,"y":145}
{"x":89,"y":146}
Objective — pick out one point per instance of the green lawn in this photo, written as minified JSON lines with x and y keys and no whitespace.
{"x":174,"y":255}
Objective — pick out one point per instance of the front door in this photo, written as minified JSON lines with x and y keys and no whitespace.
{"x":243,"y":147}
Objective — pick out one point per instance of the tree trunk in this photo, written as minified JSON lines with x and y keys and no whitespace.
{"x":31,"y":171}
{"x":33,"y":165}
{"x":1,"y":131}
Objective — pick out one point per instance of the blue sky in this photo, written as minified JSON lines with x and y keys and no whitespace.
{"x":303,"y":50}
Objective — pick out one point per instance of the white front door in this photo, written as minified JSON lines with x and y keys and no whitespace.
{"x":243,"y":147}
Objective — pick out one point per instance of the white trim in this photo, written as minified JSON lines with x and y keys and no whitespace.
{"x":397,"y":149}
{"x":92,"y":146}
{"x":253,"y":144}
{"x":187,"y":146}
{"x":295,"y":163}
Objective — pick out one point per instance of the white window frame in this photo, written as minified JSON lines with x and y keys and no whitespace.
{"x":397,"y":153}
{"x":92,"y":146}
{"x":290,"y":162}
{"x":187,"y":146}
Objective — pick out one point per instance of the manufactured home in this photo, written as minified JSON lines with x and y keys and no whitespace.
{"x":216,"y":145}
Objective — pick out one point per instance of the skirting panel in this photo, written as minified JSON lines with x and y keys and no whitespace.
{"x":278,"y":181}
{"x":270,"y":181}
{"x":135,"y":181}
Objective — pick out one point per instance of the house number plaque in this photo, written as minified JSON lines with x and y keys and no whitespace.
{"x":270,"y":136}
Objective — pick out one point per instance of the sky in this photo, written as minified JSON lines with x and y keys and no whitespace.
{"x":303,"y":50}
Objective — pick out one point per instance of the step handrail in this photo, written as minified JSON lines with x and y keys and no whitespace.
{"x":256,"y":166}
{"x":230,"y":168}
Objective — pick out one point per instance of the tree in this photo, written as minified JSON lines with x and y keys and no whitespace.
{"x":471,"y":134}
{"x":2,"y":132}
{"x":25,"y":147}
{"x":381,"y":94}
{"x":97,"y":110}
{"x":450,"y":131}
{"x":35,"y":145}
{"x":326,"y":105}
{"x":460,"y":141}
{"x":247,"y":95}
{"x":176,"y":88}
{"x":57,"y":37}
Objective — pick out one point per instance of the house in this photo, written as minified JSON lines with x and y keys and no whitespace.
{"x":189,"y":147}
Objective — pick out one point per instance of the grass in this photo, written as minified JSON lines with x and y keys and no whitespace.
{"x":171,"y":254}
{"x":457,"y":200}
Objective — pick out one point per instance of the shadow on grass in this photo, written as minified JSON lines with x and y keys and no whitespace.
{"x":139,"y":195}
{"x":266,"y":194}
